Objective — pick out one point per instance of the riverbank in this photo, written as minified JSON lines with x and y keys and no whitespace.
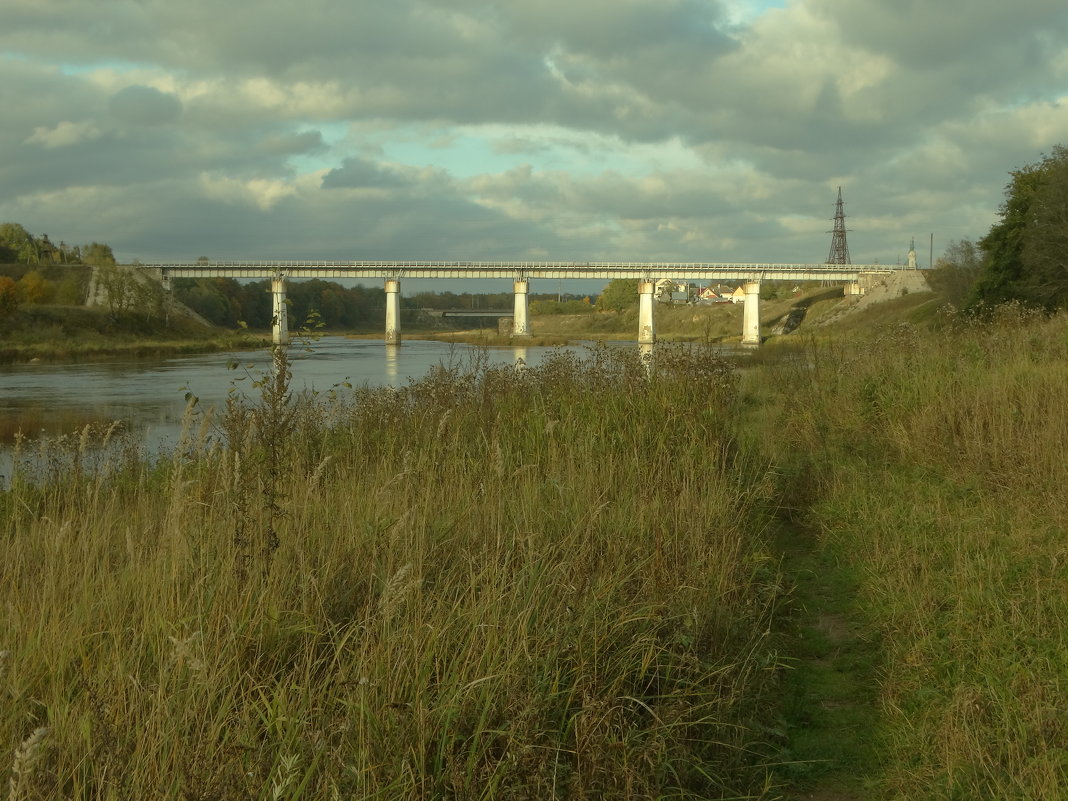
{"x":56,"y":353}
{"x":57,"y":334}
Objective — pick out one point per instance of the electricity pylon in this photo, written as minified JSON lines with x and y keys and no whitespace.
{"x":839,"y":248}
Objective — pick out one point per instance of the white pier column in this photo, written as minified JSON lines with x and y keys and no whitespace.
{"x":751,"y":314}
{"x":279,"y":311}
{"x":646,"y":324}
{"x":393,"y":336}
{"x":168,"y":299}
{"x":852,"y":288}
{"x":520,"y":323}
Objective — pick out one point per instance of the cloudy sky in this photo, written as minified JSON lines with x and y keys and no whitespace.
{"x":659,"y":130}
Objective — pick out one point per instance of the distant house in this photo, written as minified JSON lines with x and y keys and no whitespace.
{"x":670,"y":291}
{"x":737,"y":296}
{"x":708,"y":293}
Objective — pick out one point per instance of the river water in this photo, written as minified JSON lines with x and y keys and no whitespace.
{"x":149,"y":396}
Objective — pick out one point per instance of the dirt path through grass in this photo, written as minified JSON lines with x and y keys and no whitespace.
{"x":830,"y":693}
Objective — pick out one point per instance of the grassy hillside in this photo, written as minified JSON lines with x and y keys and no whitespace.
{"x":62,"y":333}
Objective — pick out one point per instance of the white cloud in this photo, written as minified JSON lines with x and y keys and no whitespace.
{"x":263,"y":193}
{"x":64,"y":134}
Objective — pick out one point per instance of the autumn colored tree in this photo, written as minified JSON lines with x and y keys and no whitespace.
{"x":33,"y":288}
{"x":9,"y":298}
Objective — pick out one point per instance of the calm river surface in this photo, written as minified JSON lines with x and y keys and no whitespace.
{"x":149,"y":396}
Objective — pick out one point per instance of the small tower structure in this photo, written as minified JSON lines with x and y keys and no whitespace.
{"x":839,"y":253}
{"x":912,"y":254}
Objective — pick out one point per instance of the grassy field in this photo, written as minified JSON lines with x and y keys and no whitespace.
{"x":840,"y":573}
{"x":924,"y":480}
{"x":490,"y":584}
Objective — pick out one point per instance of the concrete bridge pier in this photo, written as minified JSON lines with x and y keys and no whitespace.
{"x":279,"y":311}
{"x":393,"y":330}
{"x":647,"y":355}
{"x":520,"y":319}
{"x":751,"y":314}
{"x":853,"y":288}
{"x":646,"y":323}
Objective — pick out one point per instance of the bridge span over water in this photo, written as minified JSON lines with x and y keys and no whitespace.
{"x":521,"y":274}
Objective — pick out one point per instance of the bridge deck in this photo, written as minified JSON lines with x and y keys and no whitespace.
{"x":521,"y":270}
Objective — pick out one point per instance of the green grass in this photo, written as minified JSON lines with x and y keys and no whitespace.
{"x":829,"y":714}
{"x":931,"y":467}
{"x":74,"y":333}
{"x":538,"y":584}
{"x":838,"y":572}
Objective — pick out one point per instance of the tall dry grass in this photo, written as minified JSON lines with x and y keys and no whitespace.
{"x":492,"y":583}
{"x":934,"y":465}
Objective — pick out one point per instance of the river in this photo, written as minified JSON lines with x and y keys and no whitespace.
{"x":149,"y":396}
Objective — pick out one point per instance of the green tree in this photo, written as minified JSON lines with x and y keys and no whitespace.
{"x":118,"y":287}
{"x":208,"y":297}
{"x":71,"y":290}
{"x":956,"y":271}
{"x":147,"y":297}
{"x":17,"y":244}
{"x":1045,"y":242}
{"x":1026,"y":252}
{"x":620,"y":294}
{"x":98,"y":255}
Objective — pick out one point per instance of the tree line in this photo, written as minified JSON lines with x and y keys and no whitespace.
{"x":19,"y":246}
{"x":227,"y":302}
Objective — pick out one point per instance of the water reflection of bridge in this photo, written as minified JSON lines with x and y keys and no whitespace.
{"x":521,"y":273}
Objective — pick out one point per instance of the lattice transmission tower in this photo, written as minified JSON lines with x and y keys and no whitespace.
{"x":839,"y":247}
